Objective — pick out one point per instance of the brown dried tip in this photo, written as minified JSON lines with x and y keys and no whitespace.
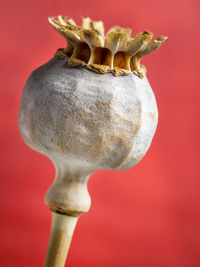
{"x":116,"y":52}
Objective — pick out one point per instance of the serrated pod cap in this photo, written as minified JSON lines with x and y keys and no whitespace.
{"x":115,"y":52}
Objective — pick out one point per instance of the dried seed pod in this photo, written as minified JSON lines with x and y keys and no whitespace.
{"x":84,"y":121}
{"x":94,"y":120}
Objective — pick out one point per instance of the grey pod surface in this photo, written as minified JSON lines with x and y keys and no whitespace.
{"x":94,"y":120}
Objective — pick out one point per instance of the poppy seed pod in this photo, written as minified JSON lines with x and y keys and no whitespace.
{"x":90,"y":107}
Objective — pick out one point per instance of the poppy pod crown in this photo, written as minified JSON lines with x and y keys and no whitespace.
{"x":115,"y":52}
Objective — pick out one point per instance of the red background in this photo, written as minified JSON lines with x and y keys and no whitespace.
{"x":148,"y":216}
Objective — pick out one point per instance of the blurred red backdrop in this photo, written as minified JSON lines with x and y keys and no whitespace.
{"x":148,"y":216}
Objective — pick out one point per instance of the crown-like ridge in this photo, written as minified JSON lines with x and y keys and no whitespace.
{"x":115,"y":52}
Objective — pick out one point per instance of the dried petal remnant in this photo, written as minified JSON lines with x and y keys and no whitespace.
{"x":116,"y":52}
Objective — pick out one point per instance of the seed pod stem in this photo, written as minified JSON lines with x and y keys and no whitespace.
{"x":62,"y":229}
{"x":67,"y":198}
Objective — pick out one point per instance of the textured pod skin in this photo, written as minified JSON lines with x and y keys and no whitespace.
{"x":91,"y":120}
